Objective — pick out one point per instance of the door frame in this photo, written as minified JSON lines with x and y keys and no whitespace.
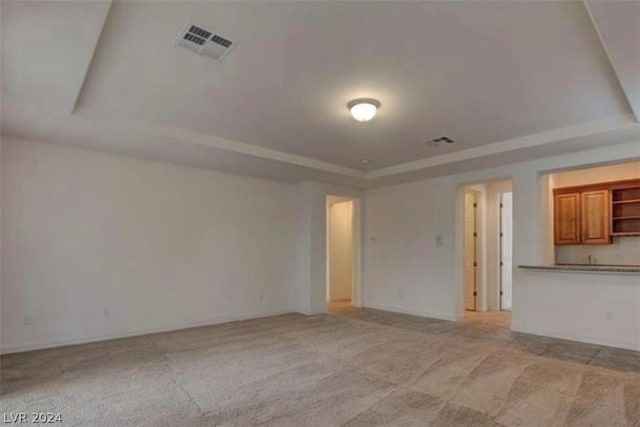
{"x":356,"y":229}
{"x":500,"y":250}
{"x":476,"y":248}
{"x":483,"y":243}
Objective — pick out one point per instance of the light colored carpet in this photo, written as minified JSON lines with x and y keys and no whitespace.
{"x":353,"y":368}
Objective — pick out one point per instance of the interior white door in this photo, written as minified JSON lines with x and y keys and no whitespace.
{"x":469,"y":251}
{"x":506,"y":268}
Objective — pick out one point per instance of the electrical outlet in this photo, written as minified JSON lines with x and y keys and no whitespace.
{"x":106,"y":312}
{"x":439,"y":240}
{"x":28,"y":320}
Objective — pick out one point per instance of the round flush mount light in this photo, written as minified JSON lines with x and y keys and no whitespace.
{"x":363,"y":109}
{"x":365,"y":162}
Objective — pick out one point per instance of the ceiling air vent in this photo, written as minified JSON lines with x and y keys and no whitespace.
{"x":443,"y":140}
{"x":204,"y":42}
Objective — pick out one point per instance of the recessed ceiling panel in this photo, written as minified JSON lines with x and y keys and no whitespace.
{"x":478,"y":72}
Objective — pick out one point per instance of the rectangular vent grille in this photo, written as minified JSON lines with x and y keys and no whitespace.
{"x":221,"y":41}
{"x":204,"y":42}
{"x":443,"y":140}
{"x":195,"y":39}
{"x":200,"y":32}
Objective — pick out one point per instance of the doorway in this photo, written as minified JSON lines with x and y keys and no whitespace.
{"x":471,"y":250}
{"x":340,"y":251}
{"x":485,"y":255}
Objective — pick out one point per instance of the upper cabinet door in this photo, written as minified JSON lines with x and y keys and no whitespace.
{"x":595,"y":214}
{"x":567,"y":219}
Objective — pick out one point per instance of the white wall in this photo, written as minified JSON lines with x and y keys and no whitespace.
{"x":405,"y":270}
{"x":624,"y":250}
{"x":340,"y":251}
{"x":162,"y":246}
{"x":98,"y":245}
{"x":618,"y":172}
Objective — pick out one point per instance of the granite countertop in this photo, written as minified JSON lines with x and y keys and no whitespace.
{"x":586,"y":268}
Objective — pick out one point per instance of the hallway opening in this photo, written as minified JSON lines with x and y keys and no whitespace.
{"x":486,"y":260}
{"x":340,"y":250}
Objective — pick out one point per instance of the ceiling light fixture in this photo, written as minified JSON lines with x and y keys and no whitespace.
{"x":365,"y":162}
{"x":363,"y":109}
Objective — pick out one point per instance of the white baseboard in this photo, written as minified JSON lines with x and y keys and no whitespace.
{"x":433,"y":315}
{"x":42,"y":344}
{"x":554,"y":333}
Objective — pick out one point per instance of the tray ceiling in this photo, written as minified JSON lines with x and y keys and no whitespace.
{"x":494,"y":76}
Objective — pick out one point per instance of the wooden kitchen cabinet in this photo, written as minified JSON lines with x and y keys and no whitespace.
{"x":567,"y":219}
{"x":625,"y":209}
{"x":593,"y":214}
{"x":595,"y":219}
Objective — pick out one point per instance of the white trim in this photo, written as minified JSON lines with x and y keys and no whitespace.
{"x":358,"y":224}
{"x":528,"y":141}
{"x":186,"y":135}
{"x":201,"y":138}
{"x":42,"y":344}
{"x":554,"y":333}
